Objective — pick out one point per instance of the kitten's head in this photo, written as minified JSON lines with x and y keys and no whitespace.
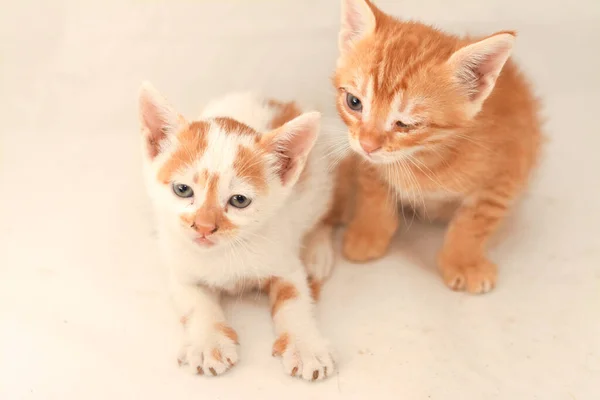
{"x":215,"y":181}
{"x":404,"y":86}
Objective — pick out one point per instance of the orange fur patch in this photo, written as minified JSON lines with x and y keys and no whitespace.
{"x":280,"y":292}
{"x":315,"y":289}
{"x":230,"y":125}
{"x":281,"y":344}
{"x":192,"y":144}
{"x":266,"y":286}
{"x":227,"y":331}
{"x":211,"y":212}
{"x":200,"y":178}
{"x":375,"y":218}
{"x":187,"y":219}
{"x":216,"y":353}
{"x":249,"y":164}
{"x":284,"y":112}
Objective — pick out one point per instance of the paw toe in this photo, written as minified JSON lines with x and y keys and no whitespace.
{"x":475,"y":278}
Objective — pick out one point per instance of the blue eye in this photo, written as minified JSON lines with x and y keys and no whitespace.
{"x":239,"y":201}
{"x":353,"y":102}
{"x":182,"y":190}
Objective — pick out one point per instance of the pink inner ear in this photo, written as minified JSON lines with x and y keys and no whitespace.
{"x":353,"y":20}
{"x":356,"y":19}
{"x":479,"y":64}
{"x":290,"y":152}
{"x":154,"y":123}
{"x":151,"y":118}
{"x":292,"y":142}
{"x":285,"y":167}
{"x":474,"y":77}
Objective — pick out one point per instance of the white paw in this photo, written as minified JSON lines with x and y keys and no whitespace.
{"x":309,"y":361}
{"x":210,"y":357}
{"x":319,"y":255}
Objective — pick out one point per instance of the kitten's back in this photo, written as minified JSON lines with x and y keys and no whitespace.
{"x":258,"y":112}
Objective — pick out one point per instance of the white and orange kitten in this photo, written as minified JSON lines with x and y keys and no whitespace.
{"x":239,"y":196}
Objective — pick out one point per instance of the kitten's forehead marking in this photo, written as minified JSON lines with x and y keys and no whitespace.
{"x":232,"y":151}
{"x":230,"y":126}
{"x":250,"y":165}
{"x":212,"y":191}
{"x":201,"y":177}
{"x":211,"y":209}
{"x":221,"y":149}
{"x":191,"y":144}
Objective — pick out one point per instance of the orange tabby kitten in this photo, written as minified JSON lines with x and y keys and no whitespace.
{"x":446,"y":123}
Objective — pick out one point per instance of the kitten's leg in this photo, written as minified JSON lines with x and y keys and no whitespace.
{"x":303,"y":350}
{"x":375,"y":218}
{"x":209,"y":346}
{"x":318,"y":256}
{"x":462,"y":260}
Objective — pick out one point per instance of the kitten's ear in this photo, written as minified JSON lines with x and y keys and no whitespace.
{"x":358,"y":20}
{"x":158,"y":120}
{"x":291,"y":144}
{"x":478,"y":65}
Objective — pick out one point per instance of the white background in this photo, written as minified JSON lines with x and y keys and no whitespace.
{"x":83,"y":308}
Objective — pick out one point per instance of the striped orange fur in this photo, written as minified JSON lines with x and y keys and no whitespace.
{"x":446,"y":124}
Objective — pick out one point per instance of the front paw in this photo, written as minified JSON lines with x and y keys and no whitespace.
{"x":475,"y":277}
{"x":212,"y":356}
{"x":309,"y":360}
{"x":362,"y":245}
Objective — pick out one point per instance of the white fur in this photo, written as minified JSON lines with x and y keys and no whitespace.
{"x":406,"y":115}
{"x":268,"y":243}
{"x":367,"y":101}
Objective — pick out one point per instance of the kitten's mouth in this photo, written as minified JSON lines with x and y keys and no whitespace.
{"x":203,"y":241}
{"x":374,"y":158}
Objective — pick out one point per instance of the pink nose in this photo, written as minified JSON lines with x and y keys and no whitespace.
{"x":369,"y":144}
{"x":205,"y":229}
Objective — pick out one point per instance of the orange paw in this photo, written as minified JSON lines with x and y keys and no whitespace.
{"x":476,"y":278}
{"x":362,"y":245}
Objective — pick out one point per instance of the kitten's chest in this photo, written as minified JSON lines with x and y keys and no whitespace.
{"x":411,"y":183}
{"x":234,"y":269}
{"x":421,"y":193}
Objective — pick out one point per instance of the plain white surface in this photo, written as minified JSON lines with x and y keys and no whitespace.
{"x":83,"y":308}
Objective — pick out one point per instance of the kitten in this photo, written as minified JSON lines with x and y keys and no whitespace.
{"x":447,"y":124}
{"x":236,"y":193}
